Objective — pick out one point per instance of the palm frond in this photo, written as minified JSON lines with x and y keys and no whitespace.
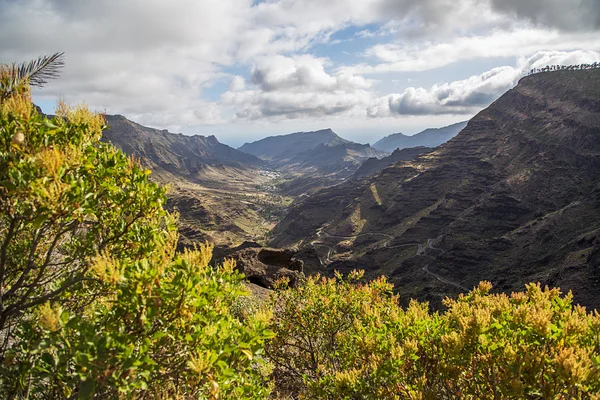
{"x":39,"y":71}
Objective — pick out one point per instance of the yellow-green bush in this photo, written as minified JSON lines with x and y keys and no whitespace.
{"x":336,"y":339}
{"x":94,"y":301}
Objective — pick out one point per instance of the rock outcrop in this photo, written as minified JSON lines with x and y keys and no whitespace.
{"x":265,"y":266}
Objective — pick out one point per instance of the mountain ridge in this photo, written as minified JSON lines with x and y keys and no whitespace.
{"x":283,"y":147}
{"x":223,"y":195}
{"x":513,"y":198}
{"x":431,"y":137}
{"x":177,"y":153}
{"x":311,"y":160}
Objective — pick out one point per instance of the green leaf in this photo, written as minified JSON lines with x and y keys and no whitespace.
{"x":39,"y":221}
{"x":86,"y":389}
{"x":48,"y":359}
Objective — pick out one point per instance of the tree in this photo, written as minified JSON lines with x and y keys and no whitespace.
{"x":14,"y":78}
{"x":94,"y":302}
{"x":65,"y":198}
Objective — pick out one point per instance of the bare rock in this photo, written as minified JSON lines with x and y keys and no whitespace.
{"x":265,"y":266}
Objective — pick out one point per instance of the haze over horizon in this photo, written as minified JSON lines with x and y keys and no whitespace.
{"x":243,"y":70}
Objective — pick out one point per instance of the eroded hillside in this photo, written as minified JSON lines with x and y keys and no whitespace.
{"x":514,"y":198}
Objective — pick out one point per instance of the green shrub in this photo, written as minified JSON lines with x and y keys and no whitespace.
{"x":94,"y":301}
{"x":336,"y":339}
{"x":162,"y":329}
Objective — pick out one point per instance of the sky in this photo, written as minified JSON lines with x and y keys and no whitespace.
{"x":245,"y":69}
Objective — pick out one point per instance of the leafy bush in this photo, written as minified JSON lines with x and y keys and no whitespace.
{"x":94,"y":300}
{"x":336,"y":339}
{"x":162,"y":329}
{"x":66,"y":197}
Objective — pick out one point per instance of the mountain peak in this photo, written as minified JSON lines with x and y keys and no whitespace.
{"x":176,"y":153}
{"x":287,"y":146}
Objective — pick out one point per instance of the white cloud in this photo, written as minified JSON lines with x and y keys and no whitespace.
{"x":469,"y":95}
{"x":297,"y":87}
{"x":158,"y":61}
{"x":301,"y":74}
{"x":423,"y":56}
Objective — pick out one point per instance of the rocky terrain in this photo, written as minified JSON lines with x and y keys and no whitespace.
{"x":428,"y":138}
{"x":375,"y":165}
{"x":263,"y":267}
{"x":513,"y":198}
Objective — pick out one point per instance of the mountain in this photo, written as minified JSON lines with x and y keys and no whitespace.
{"x":375,"y":165}
{"x":427,"y":138}
{"x":223,"y":195}
{"x":284,"y":147}
{"x":177,"y":154}
{"x":335,"y":160}
{"x":311,"y":160}
{"x":513,"y":198}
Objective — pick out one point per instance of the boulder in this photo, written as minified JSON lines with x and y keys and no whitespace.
{"x":265,"y":266}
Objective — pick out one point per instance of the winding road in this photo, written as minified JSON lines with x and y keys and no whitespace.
{"x":421,"y":251}
{"x":439,"y":278}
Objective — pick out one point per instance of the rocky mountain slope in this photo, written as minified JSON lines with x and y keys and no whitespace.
{"x":177,"y":154}
{"x":375,"y":165}
{"x":428,"y":138}
{"x":223,"y":194}
{"x":283,"y":148}
{"x":513,"y":198}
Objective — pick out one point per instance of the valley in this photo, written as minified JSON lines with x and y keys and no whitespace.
{"x":513,"y":198}
{"x":226,"y":196}
{"x":223,"y":196}
{"x":287,"y":199}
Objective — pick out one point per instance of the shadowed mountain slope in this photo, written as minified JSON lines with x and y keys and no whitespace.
{"x":280,"y":149}
{"x":375,"y":165}
{"x":175,"y":153}
{"x":514,"y":198}
{"x":319,"y":154}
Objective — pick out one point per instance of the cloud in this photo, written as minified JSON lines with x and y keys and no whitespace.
{"x":567,"y":15}
{"x":470,"y":95}
{"x":296,"y":87}
{"x":159,"y":62}
{"x":302,"y":73}
{"x":150,"y":60}
{"x":429,"y":55}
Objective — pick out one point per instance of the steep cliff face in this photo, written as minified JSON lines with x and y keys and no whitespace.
{"x":514,"y":198}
